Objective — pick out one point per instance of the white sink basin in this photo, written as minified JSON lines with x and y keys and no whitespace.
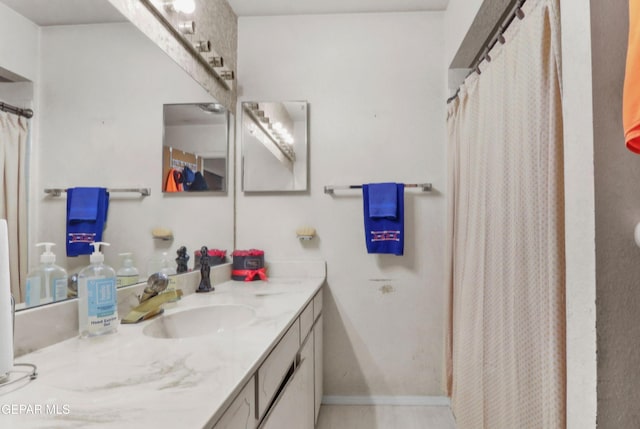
{"x":200,"y":321}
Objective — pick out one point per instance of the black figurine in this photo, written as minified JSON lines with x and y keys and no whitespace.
{"x":182,"y":260}
{"x":205,"y":269}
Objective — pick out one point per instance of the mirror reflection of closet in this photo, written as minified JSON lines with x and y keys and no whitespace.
{"x":195,"y":148}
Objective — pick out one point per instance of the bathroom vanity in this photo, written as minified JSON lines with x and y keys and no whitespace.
{"x":248,"y":355}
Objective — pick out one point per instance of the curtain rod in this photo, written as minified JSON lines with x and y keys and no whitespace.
{"x":497,"y":35}
{"x":27,"y":113}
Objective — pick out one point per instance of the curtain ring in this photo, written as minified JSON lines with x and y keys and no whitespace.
{"x":487,"y":57}
{"x":477,"y":70}
{"x":519,"y":12}
{"x":501,"y":38}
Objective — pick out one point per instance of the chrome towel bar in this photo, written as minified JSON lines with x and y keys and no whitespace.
{"x":424,"y":187}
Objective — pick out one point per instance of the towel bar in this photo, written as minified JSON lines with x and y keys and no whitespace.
{"x":145,"y":192}
{"x":424,"y":187}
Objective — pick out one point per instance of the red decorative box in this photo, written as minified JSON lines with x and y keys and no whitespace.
{"x":248,"y":265}
{"x":216,"y":257}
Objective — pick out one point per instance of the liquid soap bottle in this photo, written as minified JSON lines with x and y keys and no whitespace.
{"x":48,"y":282}
{"x":167,"y":267}
{"x":127,"y":274}
{"x":97,"y":296}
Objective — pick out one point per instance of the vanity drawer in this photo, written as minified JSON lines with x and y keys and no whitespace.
{"x":317,"y":305}
{"x":306,"y":321}
{"x":275,"y":367}
{"x":241,"y":413}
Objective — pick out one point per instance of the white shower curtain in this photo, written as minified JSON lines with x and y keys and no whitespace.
{"x":13,"y":204}
{"x":506,"y":339}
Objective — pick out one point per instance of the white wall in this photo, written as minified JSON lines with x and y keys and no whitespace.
{"x":20,"y":45}
{"x":103,"y":88}
{"x":376,"y":89}
{"x":579,"y":215}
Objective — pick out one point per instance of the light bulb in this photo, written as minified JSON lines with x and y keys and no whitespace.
{"x":184,"y":6}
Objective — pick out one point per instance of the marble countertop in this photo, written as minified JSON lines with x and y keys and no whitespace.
{"x":135,"y":381}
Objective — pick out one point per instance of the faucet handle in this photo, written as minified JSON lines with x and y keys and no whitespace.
{"x":156,"y":283}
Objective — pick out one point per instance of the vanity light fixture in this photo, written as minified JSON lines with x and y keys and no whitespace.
{"x":226,"y":74}
{"x":187,"y":27}
{"x":282,"y":133}
{"x":216,"y":62}
{"x":212,"y":108}
{"x":182,"y":6}
{"x":173,"y":16}
{"x":203,"y":46}
{"x":271,"y":134}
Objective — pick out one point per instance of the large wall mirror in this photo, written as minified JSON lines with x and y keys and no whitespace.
{"x":195,"y":148}
{"x":98,"y":87}
{"x":274,"y":146}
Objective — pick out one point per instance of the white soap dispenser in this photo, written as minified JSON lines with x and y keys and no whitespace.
{"x":97,"y":296}
{"x":127,"y":274}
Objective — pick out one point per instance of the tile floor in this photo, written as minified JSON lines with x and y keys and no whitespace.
{"x":385,"y":417}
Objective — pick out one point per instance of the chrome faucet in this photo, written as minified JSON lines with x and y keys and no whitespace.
{"x":156,"y":283}
{"x":152,"y":299}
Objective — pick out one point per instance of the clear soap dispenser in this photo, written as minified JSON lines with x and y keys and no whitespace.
{"x":127,"y":274}
{"x":97,"y":296}
{"x":48,"y":282}
{"x":167,"y":267}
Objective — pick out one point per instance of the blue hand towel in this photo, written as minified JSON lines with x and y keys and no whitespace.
{"x":86,"y":216}
{"x":383,"y":200}
{"x":384,"y":234}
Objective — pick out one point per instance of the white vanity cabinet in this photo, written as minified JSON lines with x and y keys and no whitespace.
{"x":286,"y":390}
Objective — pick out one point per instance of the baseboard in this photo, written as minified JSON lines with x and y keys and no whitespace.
{"x":433,"y":401}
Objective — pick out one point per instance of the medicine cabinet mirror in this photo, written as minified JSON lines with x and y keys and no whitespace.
{"x":195,"y":148}
{"x":274,"y":146}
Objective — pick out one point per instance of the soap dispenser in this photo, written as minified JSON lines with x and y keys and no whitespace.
{"x":48,"y":282}
{"x":97,"y":296}
{"x":167,"y":267}
{"x":127,"y":274}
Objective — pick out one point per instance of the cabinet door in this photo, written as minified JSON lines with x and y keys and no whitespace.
{"x":318,"y":367}
{"x":274,"y":369}
{"x":294,"y":407}
{"x":241,"y":413}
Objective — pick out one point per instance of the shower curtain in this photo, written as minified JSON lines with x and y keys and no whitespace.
{"x":13,"y":204}
{"x":506,"y":334}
